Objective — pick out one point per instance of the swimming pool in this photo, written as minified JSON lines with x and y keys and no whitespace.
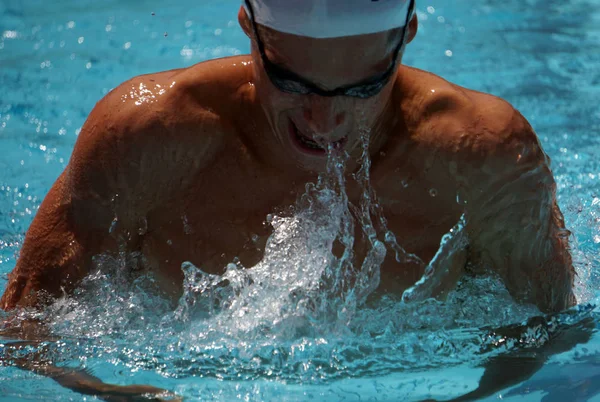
{"x":58,"y":59}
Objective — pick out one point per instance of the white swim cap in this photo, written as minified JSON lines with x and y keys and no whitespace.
{"x":330,"y":18}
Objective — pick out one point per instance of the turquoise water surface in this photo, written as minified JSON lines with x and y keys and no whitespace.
{"x":57,"y":59}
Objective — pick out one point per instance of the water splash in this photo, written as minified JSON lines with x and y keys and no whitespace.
{"x":442,"y":271}
{"x":298,"y":315}
{"x":300,"y":284}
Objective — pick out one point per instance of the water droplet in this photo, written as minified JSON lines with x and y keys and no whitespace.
{"x":113,"y":225}
{"x":143,"y":228}
{"x":460,"y":197}
{"x":433,"y":192}
{"x":187,"y":228}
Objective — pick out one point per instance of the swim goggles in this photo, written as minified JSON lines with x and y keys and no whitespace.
{"x":290,"y":82}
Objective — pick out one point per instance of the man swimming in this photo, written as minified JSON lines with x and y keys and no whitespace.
{"x":185,"y":165}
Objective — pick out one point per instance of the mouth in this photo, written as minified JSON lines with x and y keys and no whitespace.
{"x":310,"y":146}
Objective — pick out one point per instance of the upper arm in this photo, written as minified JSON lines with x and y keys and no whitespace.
{"x":70,"y":225}
{"x":513,"y":220}
{"x":128,"y":159}
{"x":57,"y":248}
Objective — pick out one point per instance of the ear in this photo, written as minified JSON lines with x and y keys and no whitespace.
{"x":413,"y":27}
{"x":244,"y":22}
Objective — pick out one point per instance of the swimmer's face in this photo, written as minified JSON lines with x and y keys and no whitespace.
{"x":328,"y":65}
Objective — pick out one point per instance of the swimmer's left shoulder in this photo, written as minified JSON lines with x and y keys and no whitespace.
{"x":497,"y":133}
{"x":446,"y":115}
{"x":435,"y":109}
{"x":497,"y":120}
{"x":488,"y":134}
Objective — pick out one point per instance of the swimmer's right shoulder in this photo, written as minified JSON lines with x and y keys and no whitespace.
{"x":156,"y":131}
{"x":193,"y":106}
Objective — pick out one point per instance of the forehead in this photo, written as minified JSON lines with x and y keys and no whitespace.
{"x":360,"y":46}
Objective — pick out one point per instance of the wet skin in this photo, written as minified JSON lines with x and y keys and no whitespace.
{"x":185,"y":165}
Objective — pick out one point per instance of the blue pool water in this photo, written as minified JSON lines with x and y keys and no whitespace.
{"x":58,"y":58}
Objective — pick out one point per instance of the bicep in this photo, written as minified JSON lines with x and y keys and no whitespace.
{"x":71,"y":225}
{"x":56,"y":250}
{"x":516,"y":228}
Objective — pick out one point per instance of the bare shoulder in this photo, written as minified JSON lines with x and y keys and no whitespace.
{"x":152,"y":133}
{"x":473,"y":126}
{"x":191,"y":103}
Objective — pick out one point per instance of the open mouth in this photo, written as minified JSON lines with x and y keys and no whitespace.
{"x":309,"y":145}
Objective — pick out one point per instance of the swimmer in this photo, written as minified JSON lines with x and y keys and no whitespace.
{"x":185,"y":165}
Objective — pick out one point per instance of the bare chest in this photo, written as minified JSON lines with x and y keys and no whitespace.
{"x":225,"y":217}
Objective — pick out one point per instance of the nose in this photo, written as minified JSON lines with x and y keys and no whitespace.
{"x":323,"y":115}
